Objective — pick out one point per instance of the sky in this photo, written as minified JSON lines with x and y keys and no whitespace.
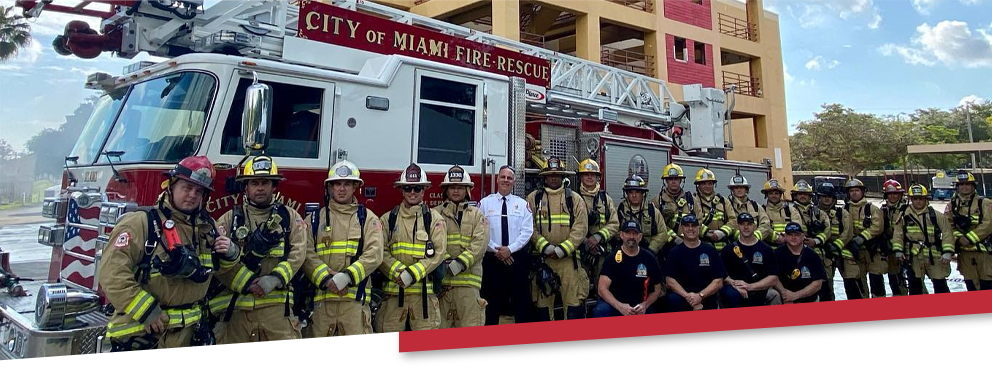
{"x":877,"y":56}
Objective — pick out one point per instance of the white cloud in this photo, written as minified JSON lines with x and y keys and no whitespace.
{"x":925,"y":6}
{"x":813,"y":13}
{"x":819,"y":63}
{"x":785,"y":70}
{"x":973,"y":99}
{"x":950,"y":42}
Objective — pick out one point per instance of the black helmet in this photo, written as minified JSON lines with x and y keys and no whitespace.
{"x":547,"y":280}
{"x":827,"y":189}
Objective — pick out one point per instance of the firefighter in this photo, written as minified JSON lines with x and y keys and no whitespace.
{"x":780,"y":213}
{"x":256,"y":304}
{"x":468,"y":236}
{"x":603,"y":220}
{"x":971,"y":217}
{"x":416,"y":241}
{"x":634,"y":207}
{"x":741,"y":203}
{"x":674,"y":204}
{"x":718,"y":220}
{"x":348,"y":246}
{"x":867,"y":220}
{"x":817,"y":228}
{"x":153,"y":286}
{"x":892,"y":210}
{"x":834,"y":255}
{"x":560,"y":224}
{"x":922,"y":233}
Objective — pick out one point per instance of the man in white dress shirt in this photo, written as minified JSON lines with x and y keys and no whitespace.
{"x":505,"y":266}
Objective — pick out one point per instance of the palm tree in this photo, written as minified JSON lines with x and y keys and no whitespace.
{"x":15,"y":33}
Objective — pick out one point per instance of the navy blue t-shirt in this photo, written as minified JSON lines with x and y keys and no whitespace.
{"x":633,"y":278}
{"x":694,"y":268}
{"x":798,"y":272}
{"x":754,"y":263}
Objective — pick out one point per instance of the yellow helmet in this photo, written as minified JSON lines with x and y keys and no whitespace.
{"x":854,"y":183}
{"x":589,"y":166}
{"x":964,"y":177}
{"x":344,"y":170}
{"x":917,"y":190}
{"x":259,"y":167}
{"x":555,"y":167}
{"x":456,"y":176}
{"x":802,"y":187}
{"x":704,"y":174}
{"x":672,"y":171}
{"x":772,"y":185}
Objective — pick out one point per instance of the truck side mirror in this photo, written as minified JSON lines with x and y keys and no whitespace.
{"x":256,"y":120}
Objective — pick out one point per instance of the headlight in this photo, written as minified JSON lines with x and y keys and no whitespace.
{"x":50,"y":207}
{"x":57,"y":306}
{"x":110,"y":212}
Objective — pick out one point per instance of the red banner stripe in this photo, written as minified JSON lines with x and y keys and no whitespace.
{"x":891,"y":308}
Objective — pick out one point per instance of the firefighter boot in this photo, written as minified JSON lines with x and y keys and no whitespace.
{"x":853,"y":288}
{"x":985,"y":285}
{"x":940,"y":286}
{"x":877,"y":284}
{"x":897,"y":282}
{"x":970,"y":284}
{"x":916,"y":286}
{"x":575,"y":312}
{"x":544,"y":314}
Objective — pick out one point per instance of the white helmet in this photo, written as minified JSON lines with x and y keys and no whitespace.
{"x":456,"y":176}
{"x":344,"y":170}
{"x":412,"y":175}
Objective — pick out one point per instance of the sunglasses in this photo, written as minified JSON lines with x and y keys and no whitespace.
{"x":412,"y":189}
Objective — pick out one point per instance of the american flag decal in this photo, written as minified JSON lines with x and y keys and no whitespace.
{"x":81,"y":241}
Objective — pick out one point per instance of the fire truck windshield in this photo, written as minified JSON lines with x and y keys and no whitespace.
{"x":160,"y":120}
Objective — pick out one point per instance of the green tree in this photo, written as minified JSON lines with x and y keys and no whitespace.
{"x":6,"y":151}
{"x":15,"y":33}
{"x":52,"y":145}
{"x":841,"y":139}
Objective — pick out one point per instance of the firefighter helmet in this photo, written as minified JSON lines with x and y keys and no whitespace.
{"x":772,"y":185}
{"x":802,"y":187}
{"x":260,"y":167}
{"x":917,"y":190}
{"x":635,"y":182}
{"x":964,"y":177}
{"x":195,"y":169}
{"x":457,"y":176}
{"x":704,"y":175}
{"x":854,"y":183}
{"x":412,"y":175}
{"x":738,"y":180}
{"x":589,"y":166}
{"x":672,"y":171}
{"x":892,"y":186}
{"x":555,"y":167}
{"x":827,"y":190}
{"x":344,"y":171}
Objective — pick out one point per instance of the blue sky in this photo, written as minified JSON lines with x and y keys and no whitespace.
{"x":877,"y":56}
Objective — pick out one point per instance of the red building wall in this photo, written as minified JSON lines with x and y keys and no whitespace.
{"x":686,"y":11}
{"x":689,"y":72}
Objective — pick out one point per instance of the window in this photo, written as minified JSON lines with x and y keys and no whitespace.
{"x":700,"y":2}
{"x":700,"y":51}
{"x":447,"y":122}
{"x":295,"y":121}
{"x":91,"y":138}
{"x":162,"y":119}
{"x":680,"y":49}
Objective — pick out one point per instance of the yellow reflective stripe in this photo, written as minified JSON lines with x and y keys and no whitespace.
{"x":140,"y":305}
{"x":556,"y":219}
{"x":568,"y":247}
{"x":541,"y":243}
{"x":122,"y":330}
{"x":278,"y":251}
{"x":726,"y":229}
{"x":778,"y":227}
{"x":225,"y":264}
{"x":410,"y":249}
{"x":320,"y":273}
{"x":948,"y":248}
{"x":394,"y":289}
{"x":357,"y":271}
{"x":242,"y":279}
{"x":284,"y":270}
{"x":602,"y":218}
{"x":896,"y":247}
{"x":972,"y":236}
{"x":866,"y":234}
{"x":758,"y":234}
{"x":394,"y":269}
{"x":219,"y":304}
{"x":467,"y":259}
{"x":347,"y":247}
{"x":463,"y":279}
{"x":206,"y":260}
{"x":183,"y":318}
{"x":719,"y":246}
{"x":454,"y":238}
{"x":417,"y":270}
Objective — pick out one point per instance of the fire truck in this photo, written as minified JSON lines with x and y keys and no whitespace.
{"x":311,"y":83}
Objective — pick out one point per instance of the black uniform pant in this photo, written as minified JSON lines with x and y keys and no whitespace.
{"x":507,"y":286}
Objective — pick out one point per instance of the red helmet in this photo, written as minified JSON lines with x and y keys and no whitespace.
{"x":197,"y":170}
{"x":892,"y":186}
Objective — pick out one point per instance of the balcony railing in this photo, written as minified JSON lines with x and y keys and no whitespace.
{"x":737,"y":27}
{"x":645,"y":5}
{"x":746,"y":85}
{"x":628,"y":60}
{"x":532,"y":39}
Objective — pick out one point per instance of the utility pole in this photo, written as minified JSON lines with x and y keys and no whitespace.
{"x":971,"y":139}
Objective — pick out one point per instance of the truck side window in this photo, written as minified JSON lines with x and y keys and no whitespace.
{"x":295,"y":121}
{"x":447,"y":122}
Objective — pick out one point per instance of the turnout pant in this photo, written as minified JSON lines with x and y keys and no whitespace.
{"x":393,"y":318}
{"x":259,"y":325}
{"x":332,"y":317}
{"x":462,"y":307}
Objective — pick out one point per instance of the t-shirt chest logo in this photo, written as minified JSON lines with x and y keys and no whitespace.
{"x":704,"y":260}
{"x":642,"y":271}
{"x":804,"y":272}
{"x":758,"y":258}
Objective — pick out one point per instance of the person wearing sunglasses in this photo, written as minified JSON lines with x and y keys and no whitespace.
{"x":560,"y":225}
{"x":416,"y":242}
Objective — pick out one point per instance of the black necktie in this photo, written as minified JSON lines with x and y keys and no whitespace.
{"x":505,"y":225}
